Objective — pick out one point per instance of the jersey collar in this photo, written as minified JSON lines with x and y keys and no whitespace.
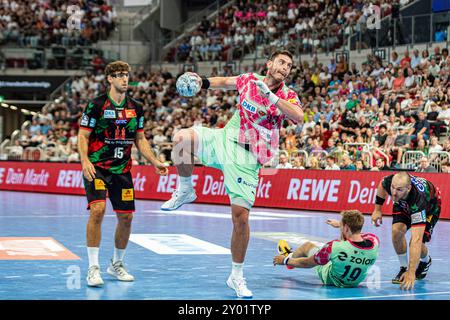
{"x":119,"y":106}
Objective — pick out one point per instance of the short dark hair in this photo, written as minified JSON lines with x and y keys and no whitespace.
{"x":278,"y":52}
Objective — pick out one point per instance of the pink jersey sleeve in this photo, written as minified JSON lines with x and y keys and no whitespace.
{"x":371,"y":237}
{"x":323,"y":256}
{"x":292,"y":97}
{"x":242,"y":81}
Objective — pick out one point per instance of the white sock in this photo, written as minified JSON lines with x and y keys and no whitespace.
{"x":186,"y":183}
{"x":93,"y":256}
{"x":118,"y":255}
{"x":403,"y":258}
{"x":426,"y":259}
{"x":237,"y":270}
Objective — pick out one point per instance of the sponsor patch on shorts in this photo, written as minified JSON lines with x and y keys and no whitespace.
{"x":127,"y":195}
{"x":418,"y":217}
{"x":99,"y":184}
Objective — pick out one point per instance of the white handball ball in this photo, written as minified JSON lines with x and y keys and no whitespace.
{"x":188,"y":84}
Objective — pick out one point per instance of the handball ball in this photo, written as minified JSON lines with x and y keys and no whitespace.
{"x":188,"y":84}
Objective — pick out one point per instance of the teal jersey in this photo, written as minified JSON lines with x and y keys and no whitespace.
{"x":346,"y":263}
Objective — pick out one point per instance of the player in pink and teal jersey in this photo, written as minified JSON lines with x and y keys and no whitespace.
{"x":248,"y":141}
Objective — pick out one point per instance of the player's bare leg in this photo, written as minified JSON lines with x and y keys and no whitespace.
{"x":241,"y":233}
{"x":239,"y":243}
{"x":122,"y":235}
{"x":93,"y":237}
{"x":185,"y":146}
{"x":401,"y":248}
{"x":123,"y":230}
{"x":424,"y":264}
{"x":304,"y":250}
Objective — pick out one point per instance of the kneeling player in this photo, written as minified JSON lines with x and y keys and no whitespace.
{"x":342,"y":263}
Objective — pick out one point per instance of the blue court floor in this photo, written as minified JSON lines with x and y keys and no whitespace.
{"x":185,"y":254}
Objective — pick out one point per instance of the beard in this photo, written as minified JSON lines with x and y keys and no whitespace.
{"x":121,"y":89}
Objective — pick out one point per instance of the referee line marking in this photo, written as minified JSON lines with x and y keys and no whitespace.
{"x":395,"y":295}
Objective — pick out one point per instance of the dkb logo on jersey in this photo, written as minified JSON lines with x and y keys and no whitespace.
{"x":247,"y":106}
{"x":109,"y":114}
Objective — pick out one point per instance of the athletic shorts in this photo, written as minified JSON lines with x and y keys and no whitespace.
{"x":119,"y":186}
{"x":324,"y":273}
{"x":239,"y":166}
{"x":429,"y":226}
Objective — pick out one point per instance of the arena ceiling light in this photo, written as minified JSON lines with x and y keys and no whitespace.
{"x":4,"y":105}
{"x":13,"y":107}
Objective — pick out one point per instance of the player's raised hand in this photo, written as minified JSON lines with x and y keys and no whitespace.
{"x":263,"y":88}
{"x":334,"y":223}
{"x":377,"y":218}
{"x":88,"y":170}
{"x":265,"y":91}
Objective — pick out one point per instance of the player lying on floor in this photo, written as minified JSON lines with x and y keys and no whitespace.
{"x":342,"y":263}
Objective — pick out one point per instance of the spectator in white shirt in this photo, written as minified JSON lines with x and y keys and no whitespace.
{"x":331,"y":164}
{"x":284,"y":163}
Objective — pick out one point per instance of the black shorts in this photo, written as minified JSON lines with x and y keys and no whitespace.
{"x":429,"y":227}
{"x":119,"y":186}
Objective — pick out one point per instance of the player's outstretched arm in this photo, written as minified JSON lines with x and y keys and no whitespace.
{"x":415,"y":247}
{"x":144,"y":147}
{"x":377,"y":216}
{"x":292,"y":111}
{"x":86,"y":164}
{"x":334,"y":223}
{"x":225,"y":83}
{"x":308,"y":262}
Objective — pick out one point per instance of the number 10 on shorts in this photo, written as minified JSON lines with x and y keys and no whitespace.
{"x":118,"y":153}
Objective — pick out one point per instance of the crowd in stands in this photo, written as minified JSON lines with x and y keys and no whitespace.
{"x":355,"y":118}
{"x":43,"y":23}
{"x":300,"y":25}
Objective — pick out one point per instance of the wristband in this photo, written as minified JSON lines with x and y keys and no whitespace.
{"x":273,"y":98}
{"x":379,"y":200}
{"x":205,"y":83}
{"x":285,"y":261}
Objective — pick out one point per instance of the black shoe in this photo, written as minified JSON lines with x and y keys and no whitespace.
{"x":396,"y":280}
{"x":422,"y":269}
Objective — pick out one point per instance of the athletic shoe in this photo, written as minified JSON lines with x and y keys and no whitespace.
{"x":118,"y":270}
{"x":94,"y":279}
{"x":178,"y":199}
{"x":422,"y":269}
{"x":396,"y":280}
{"x":284,"y":250}
{"x":239,"y":285}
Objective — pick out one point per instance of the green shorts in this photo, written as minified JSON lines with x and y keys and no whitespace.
{"x":324,"y":273}
{"x":218,"y":149}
